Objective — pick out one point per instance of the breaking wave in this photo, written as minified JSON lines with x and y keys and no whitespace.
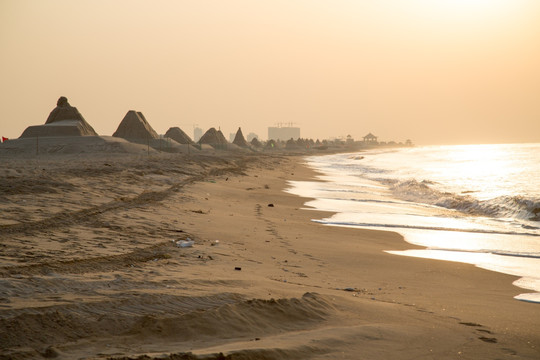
{"x":519,"y":207}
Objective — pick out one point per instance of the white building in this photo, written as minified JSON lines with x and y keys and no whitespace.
{"x":197,"y":134}
{"x":283,"y":133}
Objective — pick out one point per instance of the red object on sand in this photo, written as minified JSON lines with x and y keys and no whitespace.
{"x":4,"y":139}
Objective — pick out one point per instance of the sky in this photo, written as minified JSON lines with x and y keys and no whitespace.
{"x":433,"y":71}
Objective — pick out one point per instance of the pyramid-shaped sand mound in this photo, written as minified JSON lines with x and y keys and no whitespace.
{"x":178,"y":135}
{"x":135,"y":127}
{"x":64,"y":120}
{"x":255,"y":142}
{"x":239,"y":139}
{"x":213,"y":137}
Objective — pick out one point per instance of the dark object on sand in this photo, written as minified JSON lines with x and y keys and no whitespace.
{"x":270,"y":205}
{"x":237,"y":268}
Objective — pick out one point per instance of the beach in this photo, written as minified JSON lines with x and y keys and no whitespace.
{"x":188,"y":256}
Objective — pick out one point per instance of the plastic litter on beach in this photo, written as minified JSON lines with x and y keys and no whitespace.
{"x":185,"y":243}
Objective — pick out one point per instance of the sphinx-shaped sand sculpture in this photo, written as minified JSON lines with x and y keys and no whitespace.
{"x":64,"y":120}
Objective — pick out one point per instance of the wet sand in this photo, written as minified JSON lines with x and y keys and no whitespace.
{"x":90,"y":268}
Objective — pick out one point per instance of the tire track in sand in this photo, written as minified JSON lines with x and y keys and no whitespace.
{"x":98,"y":264}
{"x":75,"y":217}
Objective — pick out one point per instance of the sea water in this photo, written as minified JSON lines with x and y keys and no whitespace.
{"x":478,"y":204}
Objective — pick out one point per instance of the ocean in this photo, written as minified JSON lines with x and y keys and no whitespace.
{"x":477,"y":204}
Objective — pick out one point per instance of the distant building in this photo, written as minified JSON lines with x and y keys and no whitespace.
{"x":197,"y":134}
{"x":349,"y":140}
{"x":283,"y":133}
{"x":370,"y":139}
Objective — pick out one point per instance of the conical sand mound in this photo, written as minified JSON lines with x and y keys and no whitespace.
{"x":255,"y":142}
{"x":134,"y":126}
{"x":64,"y":120}
{"x":213,"y":137}
{"x":178,"y":135}
{"x":239,"y":139}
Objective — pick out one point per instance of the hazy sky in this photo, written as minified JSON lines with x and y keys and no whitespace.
{"x":434,"y":71}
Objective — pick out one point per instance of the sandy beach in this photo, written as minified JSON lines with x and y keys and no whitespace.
{"x":92,"y":267}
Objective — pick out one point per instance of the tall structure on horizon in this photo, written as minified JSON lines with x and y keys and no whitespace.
{"x":284,"y":133}
{"x":197,"y":134}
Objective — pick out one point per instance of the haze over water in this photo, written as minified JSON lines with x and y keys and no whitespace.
{"x":478,"y":204}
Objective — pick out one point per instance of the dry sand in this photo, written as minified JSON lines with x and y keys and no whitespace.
{"x":90,"y":269}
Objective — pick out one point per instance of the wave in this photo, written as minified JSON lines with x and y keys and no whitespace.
{"x":366,"y":200}
{"x":516,"y":254}
{"x":486,"y":251}
{"x":519,"y":207}
{"x":420,"y":227}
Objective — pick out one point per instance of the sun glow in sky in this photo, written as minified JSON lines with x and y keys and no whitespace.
{"x":472,"y":7}
{"x":434,"y":71}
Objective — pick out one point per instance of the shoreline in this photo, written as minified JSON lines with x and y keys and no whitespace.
{"x":415,"y":233}
{"x":259,"y":281}
{"x":465,"y":278}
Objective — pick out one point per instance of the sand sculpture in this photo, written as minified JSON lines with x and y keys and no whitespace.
{"x":178,"y":135}
{"x":256,"y":143}
{"x":64,"y":111}
{"x":64,"y":120}
{"x":239,"y":139}
{"x":135,"y":127}
{"x":213,"y":137}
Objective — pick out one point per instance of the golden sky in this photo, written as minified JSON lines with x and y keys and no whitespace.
{"x":434,"y":71}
